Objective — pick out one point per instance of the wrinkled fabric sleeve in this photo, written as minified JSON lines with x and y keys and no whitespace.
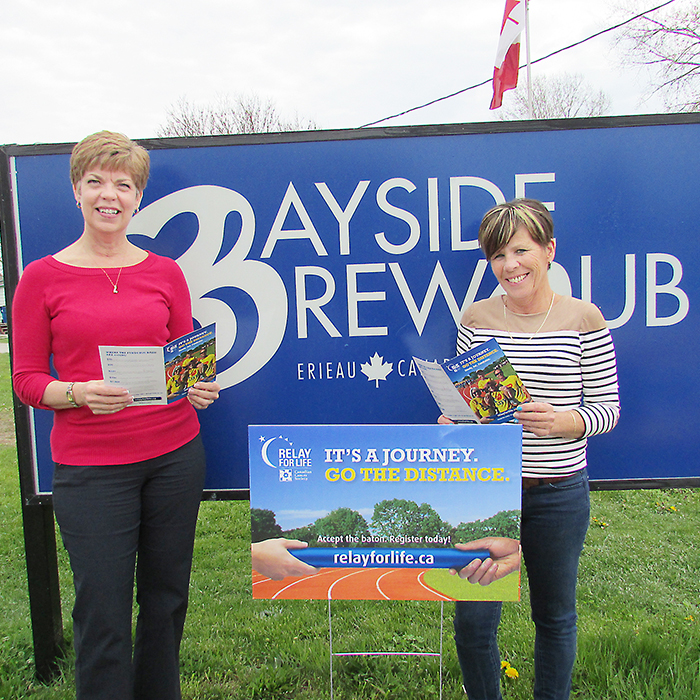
{"x":31,"y":338}
{"x":600,"y":409}
{"x":180,"y":321}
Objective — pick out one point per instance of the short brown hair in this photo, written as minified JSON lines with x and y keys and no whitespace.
{"x":111,"y":151}
{"x":502,"y":221}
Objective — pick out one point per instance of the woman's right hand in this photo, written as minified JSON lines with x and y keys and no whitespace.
{"x":101,"y":398}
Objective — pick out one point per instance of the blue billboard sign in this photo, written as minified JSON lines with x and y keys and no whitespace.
{"x":329,"y":259}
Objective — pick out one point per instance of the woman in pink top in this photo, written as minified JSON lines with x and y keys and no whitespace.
{"x":128,"y":479}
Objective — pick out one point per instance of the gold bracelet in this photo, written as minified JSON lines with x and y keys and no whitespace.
{"x":573,"y":418}
{"x":70,"y":397}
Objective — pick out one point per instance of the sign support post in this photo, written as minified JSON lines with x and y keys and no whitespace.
{"x":44,"y":592}
{"x":384,"y":653}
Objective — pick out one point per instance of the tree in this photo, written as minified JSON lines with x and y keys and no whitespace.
{"x":263,"y":525}
{"x":305,"y":533}
{"x":562,"y":96}
{"x":505,"y":523}
{"x":668,"y":44}
{"x":244,"y":114}
{"x":401,"y":518}
{"x":340,"y":523}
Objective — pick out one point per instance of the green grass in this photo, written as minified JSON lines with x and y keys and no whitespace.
{"x":639,"y":634}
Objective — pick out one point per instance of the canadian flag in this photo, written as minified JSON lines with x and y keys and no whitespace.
{"x":505,"y":72}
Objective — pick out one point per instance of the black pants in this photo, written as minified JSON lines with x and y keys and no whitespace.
{"x":116,"y":520}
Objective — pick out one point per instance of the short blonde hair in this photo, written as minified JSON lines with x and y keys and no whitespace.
{"x":502,"y":221}
{"x":109,"y":150}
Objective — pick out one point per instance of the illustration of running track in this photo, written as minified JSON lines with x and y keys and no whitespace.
{"x":349,"y":584}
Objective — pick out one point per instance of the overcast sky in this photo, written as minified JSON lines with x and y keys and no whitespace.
{"x":69,"y":68}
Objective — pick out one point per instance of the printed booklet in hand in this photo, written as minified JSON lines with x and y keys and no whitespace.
{"x":477,"y":384}
{"x":155,"y":375}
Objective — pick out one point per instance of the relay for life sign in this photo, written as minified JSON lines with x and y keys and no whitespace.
{"x":382,"y":507}
{"x":328,"y":260}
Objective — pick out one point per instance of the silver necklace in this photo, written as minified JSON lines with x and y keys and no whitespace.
{"x":505,"y":319}
{"x":114,"y":284}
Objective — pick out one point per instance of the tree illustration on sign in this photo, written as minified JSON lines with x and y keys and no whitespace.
{"x":376,"y":369}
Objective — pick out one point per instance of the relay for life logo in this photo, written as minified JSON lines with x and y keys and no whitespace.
{"x":293,"y":463}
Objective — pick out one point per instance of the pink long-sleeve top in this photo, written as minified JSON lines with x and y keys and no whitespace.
{"x":61,"y":314}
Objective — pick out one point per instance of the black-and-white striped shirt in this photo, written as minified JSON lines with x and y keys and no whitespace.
{"x":568,"y":363}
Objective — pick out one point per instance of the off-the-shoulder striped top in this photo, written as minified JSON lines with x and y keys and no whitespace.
{"x":569,"y":363}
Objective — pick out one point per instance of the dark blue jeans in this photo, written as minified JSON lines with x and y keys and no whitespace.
{"x":554,"y":524}
{"x":116,"y":520}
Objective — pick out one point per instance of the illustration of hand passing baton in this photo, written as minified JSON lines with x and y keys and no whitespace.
{"x":395,"y":558}
{"x":481,"y":561}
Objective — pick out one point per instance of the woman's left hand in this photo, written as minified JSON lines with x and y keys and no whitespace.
{"x":536,"y":417}
{"x":504,"y":560}
{"x":203,"y":394}
{"x":541,"y":419}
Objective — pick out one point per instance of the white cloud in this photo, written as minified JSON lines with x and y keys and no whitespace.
{"x":71,"y":68}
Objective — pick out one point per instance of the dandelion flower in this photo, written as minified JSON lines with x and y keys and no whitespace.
{"x":511,"y":672}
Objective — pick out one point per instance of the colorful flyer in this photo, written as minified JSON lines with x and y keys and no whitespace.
{"x":381,"y":507}
{"x":155,"y":375}
{"x":189,"y":360}
{"x":476,"y":385}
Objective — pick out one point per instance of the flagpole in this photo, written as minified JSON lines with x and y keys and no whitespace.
{"x":527,"y":54}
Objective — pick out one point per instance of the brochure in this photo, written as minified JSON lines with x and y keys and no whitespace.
{"x":160,"y":375}
{"x":477,"y":384}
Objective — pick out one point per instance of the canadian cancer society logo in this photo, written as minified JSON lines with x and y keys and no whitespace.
{"x":292,"y":463}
